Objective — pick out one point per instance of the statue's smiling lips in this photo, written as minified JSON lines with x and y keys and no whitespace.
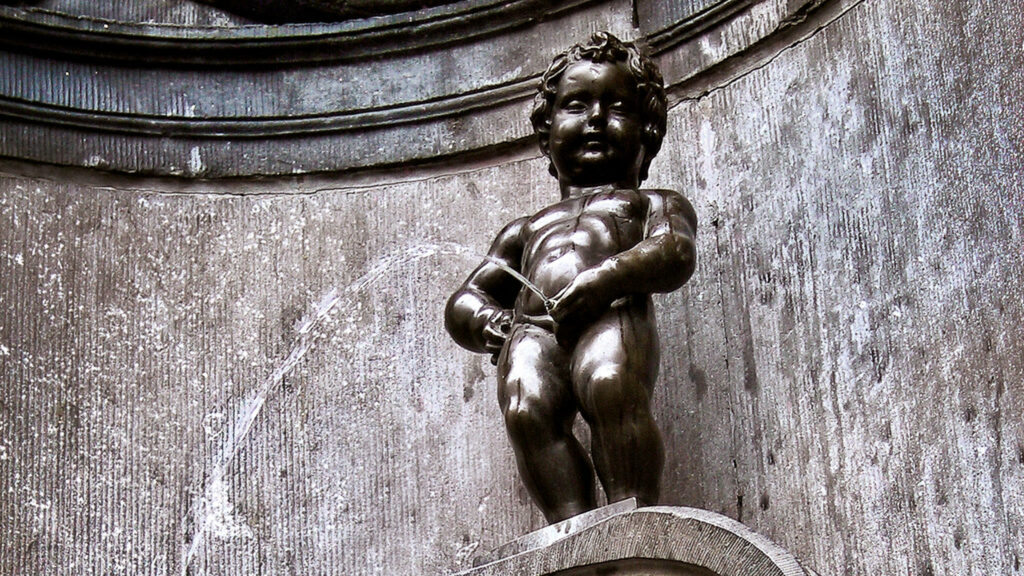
{"x":594,"y":142}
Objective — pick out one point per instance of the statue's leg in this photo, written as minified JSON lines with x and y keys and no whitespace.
{"x":537,"y":401}
{"x":614,"y":367}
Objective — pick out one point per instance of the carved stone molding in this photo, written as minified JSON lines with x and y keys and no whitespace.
{"x":657,"y":541}
{"x":99,"y":40}
{"x":320,"y":10}
{"x":246,"y":100}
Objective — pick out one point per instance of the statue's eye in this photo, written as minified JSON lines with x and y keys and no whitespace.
{"x":574,"y":105}
{"x":619,"y":108}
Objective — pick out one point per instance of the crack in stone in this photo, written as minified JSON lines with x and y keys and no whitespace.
{"x":790,"y":33}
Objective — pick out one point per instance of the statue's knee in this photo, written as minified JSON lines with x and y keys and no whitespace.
{"x":528,"y":417}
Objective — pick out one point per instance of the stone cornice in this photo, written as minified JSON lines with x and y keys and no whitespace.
{"x":257,"y":100}
{"x":97,"y":40}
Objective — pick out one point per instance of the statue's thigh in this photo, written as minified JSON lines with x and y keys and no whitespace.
{"x":616,"y":359}
{"x":533,"y":373}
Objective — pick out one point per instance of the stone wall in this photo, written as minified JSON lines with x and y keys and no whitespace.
{"x":251,"y":376}
{"x":854,"y":338}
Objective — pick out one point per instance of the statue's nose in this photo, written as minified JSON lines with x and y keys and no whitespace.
{"x":597,"y":114}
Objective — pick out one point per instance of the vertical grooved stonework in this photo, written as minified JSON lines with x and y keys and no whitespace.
{"x":252,"y":377}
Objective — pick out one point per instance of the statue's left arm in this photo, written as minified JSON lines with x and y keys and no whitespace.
{"x":662,"y":262}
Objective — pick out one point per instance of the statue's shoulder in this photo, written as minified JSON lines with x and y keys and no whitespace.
{"x":511,"y":234}
{"x":671,"y":202}
{"x":663,"y":194}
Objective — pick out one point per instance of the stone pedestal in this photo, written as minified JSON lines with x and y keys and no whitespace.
{"x":655,"y":541}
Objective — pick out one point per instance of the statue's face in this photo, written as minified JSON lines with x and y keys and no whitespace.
{"x":596,"y":125}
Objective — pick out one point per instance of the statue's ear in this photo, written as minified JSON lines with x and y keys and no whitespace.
{"x":544,"y":140}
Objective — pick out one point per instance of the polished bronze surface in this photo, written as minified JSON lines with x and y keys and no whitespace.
{"x":591,"y":345}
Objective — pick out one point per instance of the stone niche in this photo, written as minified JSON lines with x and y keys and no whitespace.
{"x":186,"y":89}
{"x":226,"y":246}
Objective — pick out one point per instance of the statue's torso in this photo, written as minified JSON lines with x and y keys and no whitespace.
{"x":575,"y":234}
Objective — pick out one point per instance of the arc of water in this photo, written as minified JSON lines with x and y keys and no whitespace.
{"x":521,"y":279}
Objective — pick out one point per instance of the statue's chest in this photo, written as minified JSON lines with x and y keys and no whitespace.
{"x":600,"y":224}
{"x":616,"y":209}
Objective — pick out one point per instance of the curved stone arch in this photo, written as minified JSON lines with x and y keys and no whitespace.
{"x":265,"y":100}
{"x":655,"y":541}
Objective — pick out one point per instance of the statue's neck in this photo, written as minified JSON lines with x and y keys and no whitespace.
{"x":571,"y":191}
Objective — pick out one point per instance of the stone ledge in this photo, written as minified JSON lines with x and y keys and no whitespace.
{"x":655,"y":541}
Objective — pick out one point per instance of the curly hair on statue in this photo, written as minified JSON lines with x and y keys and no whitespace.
{"x":604,"y":47}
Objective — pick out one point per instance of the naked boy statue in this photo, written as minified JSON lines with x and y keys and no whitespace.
{"x":591,"y":344}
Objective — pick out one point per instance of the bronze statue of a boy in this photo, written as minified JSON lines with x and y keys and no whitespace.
{"x":590,"y":344}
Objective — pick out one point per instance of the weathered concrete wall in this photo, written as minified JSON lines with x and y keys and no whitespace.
{"x":260,"y":383}
{"x":856,"y":334}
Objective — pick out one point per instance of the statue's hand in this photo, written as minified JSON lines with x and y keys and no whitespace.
{"x":496,"y":332}
{"x":579,"y":304}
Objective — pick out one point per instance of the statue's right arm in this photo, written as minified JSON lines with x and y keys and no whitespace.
{"x":484,"y":302}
